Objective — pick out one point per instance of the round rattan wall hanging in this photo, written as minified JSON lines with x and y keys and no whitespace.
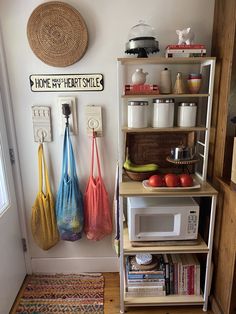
{"x":57,"y":34}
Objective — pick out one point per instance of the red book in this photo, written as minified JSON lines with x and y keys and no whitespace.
{"x":131,"y":92}
{"x":193,"y":46}
{"x":190,"y":279}
{"x":142,"y":89}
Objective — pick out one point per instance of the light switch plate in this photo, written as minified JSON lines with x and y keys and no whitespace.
{"x":41,"y":117}
{"x":73,"y":126}
{"x":94,"y":119}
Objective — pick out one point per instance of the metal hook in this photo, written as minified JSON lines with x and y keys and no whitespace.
{"x":94,"y":133}
{"x":66,"y":111}
{"x":41,"y":138}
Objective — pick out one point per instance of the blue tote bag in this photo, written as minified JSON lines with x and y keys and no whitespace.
{"x":69,"y":202}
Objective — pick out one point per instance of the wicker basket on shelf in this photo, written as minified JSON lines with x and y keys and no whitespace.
{"x":139,"y":176}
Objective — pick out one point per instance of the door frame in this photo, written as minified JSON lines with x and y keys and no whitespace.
{"x":11,"y":137}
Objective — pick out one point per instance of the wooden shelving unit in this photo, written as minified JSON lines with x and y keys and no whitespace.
{"x":199,"y":247}
{"x":134,"y":188}
{"x":152,"y":130}
{"x":165,"y":96}
{"x":166,"y":300}
{"x":127,"y":188}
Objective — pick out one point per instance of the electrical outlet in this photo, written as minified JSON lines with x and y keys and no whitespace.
{"x":41,"y":117}
{"x":94,"y":119}
{"x":71,"y":101}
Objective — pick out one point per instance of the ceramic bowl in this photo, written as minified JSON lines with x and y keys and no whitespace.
{"x":194,"y":85}
{"x":195,"y":76}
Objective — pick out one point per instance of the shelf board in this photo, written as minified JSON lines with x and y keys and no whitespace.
{"x":162,"y":60}
{"x":135,"y":188}
{"x":151,"y":130}
{"x":163,"y":300}
{"x":200,"y":247}
{"x":166,"y":96}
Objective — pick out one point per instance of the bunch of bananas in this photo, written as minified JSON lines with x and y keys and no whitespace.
{"x":128,"y":165}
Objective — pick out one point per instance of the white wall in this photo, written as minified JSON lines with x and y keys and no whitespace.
{"x":108,"y":23}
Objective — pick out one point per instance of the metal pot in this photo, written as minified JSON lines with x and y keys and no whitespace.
{"x":182,"y":152}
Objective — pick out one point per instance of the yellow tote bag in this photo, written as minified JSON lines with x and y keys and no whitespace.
{"x":43,"y":219}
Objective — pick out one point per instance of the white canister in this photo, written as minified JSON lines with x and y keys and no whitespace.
{"x":187,"y":113}
{"x":163,"y":113}
{"x":137,"y":114}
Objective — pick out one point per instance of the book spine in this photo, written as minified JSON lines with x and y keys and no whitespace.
{"x":186,"y":51}
{"x":145,"y":276}
{"x":147,"y":280}
{"x":175,"y":278}
{"x":194,"y":46}
{"x":167,"y":273}
{"x":184,"y":55}
{"x":141,"y":87}
{"x":138,"y":288}
{"x":146,"y":272}
{"x":148,"y":293}
{"x":151,"y":92}
{"x":159,"y":282}
{"x":191,"y":279}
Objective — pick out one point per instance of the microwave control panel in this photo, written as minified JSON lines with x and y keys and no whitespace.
{"x":192,"y":222}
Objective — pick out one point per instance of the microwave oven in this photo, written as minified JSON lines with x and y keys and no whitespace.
{"x":161,"y":218}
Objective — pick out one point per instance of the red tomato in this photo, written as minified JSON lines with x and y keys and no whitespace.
{"x":156,"y":180}
{"x":171,"y":180}
{"x":185,"y":180}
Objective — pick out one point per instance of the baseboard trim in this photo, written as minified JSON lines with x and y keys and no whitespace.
{"x":75,"y":265}
{"x":215,"y":306}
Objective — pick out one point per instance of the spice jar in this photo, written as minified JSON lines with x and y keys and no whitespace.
{"x":163,"y":113}
{"x":187,"y":113}
{"x":137,"y":114}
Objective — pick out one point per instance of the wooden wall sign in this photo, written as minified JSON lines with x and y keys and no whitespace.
{"x":66,"y":82}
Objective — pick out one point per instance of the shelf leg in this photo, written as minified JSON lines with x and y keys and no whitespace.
{"x":209,"y":255}
{"x":122,"y":283}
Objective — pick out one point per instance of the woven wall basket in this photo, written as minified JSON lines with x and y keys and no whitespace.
{"x":57,"y":34}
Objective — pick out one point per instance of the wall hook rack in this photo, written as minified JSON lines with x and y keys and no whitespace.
{"x":41,"y":117}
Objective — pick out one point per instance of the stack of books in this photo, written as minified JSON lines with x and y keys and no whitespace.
{"x":145,"y":282}
{"x":141,"y":89}
{"x":175,"y":274}
{"x":194,"y":50}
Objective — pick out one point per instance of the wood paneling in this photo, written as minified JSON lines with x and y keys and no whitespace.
{"x":223,"y":48}
{"x":224,"y":273}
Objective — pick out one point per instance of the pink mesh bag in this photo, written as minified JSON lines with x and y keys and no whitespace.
{"x":98,"y":222}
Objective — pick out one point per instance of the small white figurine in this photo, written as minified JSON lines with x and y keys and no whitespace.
{"x":186,"y":36}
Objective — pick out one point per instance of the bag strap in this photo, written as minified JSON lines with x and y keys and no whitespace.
{"x":42,"y":167}
{"x":94,"y":143}
{"x":68,"y":150}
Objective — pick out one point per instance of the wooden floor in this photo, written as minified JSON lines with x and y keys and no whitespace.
{"x":112,"y":301}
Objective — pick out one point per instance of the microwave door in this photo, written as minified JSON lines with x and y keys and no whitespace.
{"x":161,"y":226}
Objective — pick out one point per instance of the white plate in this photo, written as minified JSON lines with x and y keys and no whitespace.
{"x":195,"y":185}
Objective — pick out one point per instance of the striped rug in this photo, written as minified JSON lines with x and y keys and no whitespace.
{"x":73,"y":293}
